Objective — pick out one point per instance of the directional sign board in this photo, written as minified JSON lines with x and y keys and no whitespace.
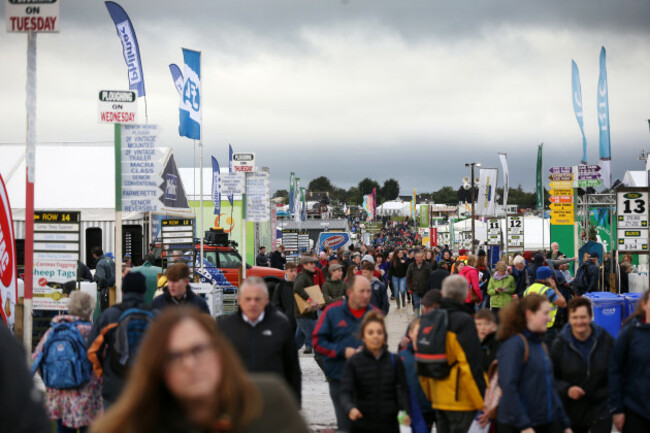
{"x":232,"y":183}
{"x":632,"y":220}
{"x":141,"y":170}
{"x":561,"y":176}
{"x":494,"y":231}
{"x":575,"y":176}
{"x":562,"y":218}
{"x":515,"y":224}
{"x":561,"y":184}
{"x":258,"y":199}
{"x":40,"y":16}
{"x":243,"y":161}
{"x":117,"y":106}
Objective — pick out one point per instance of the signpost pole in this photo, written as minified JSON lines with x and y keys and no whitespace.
{"x":243,"y":229}
{"x":200,"y":231}
{"x":118,"y":213}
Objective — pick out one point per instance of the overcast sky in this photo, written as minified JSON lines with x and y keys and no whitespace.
{"x":410,"y":89}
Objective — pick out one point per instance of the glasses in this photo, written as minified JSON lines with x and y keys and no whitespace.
{"x":198,"y":353}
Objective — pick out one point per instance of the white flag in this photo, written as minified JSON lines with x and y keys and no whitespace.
{"x":503,"y":157}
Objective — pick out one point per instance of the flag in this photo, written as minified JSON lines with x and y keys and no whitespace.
{"x":452,"y":233}
{"x":296,"y":198}
{"x":190,"y":100}
{"x":539,"y":183}
{"x":486,"y":202}
{"x":216,"y":194}
{"x":374,"y":202}
{"x":291,"y":192}
{"x":130,"y":47}
{"x":414,"y":205}
{"x":503,"y":157}
{"x":303,"y":199}
{"x":177,"y":77}
{"x":368,"y":206}
{"x":230,"y":169}
{"x":576,"y":96}
{"x":603,"y":123}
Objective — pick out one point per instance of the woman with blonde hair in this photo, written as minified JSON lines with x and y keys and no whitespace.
{"x":188,"y":378}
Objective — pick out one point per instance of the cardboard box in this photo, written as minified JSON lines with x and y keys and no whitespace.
{"x":315,"y":293}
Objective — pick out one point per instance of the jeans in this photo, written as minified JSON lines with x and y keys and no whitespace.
{"x":60,"y":428}
{"x":342,"y":420}
{"x":416,"y":302}
{"x":399,"y":286}
{"x":304,"y":332}
{"x":451,"y":421}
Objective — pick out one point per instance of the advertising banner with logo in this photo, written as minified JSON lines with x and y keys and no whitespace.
{"x":190,"y":98}
{"x":487,"y":190}
{"x":8,"y":268}
{"x":333,"y":240}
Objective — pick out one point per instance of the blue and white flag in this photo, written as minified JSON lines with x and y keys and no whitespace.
{"x":303,"y":200}
{"x":177,"y":77}
{"x":576,"y":97}
{"x":216,"y":192}
{"x":291,"y":192}
{"x":190,"y":100}
{"x":129,"y":46}
{"x":603,"y":123}
{"x":230,"y":170}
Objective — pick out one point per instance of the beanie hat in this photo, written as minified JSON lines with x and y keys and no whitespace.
{"x":538,"y":259}
{"x":368,"y":258}
{"x":134,"y":282}
{"x":544,"y":272}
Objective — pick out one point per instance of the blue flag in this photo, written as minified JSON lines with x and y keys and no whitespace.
{"x":230,"y":169}
{"x":129,"y":46}
{"x":216,"y":192}
{"x":603,"y":123}
{"x":177,"y":77}
{"x":190,"y":100}
{"x":576,"y":96}
{"x":291,"y":193}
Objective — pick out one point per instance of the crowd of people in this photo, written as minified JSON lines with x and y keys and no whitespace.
{"x":510,"y":348}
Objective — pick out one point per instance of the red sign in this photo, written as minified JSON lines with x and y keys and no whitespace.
{"x":561,"y":199}
{"x":433,"y":237}
{"x":8,"y":270}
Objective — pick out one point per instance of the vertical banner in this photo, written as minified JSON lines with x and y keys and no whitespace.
{"x":292,"y":192}
{"x":303,"y":200}
{"x":452,"y":234}
{"x":216,"y":193}
{"x":296,"y":205}
{"x":486,"y":202}
{"x":374,"y":203}
{"x":230,"y":196}
{"x":8,"y":265}
{"x":414,"y":205}
{"x":503,"y":157}
{"x":129,"y":46}
{"x":177,"y":77}
{"x":539,"y":184}
{"x":603,"y":122}
{"x":190,"y":100}
{"x":576,"y":97}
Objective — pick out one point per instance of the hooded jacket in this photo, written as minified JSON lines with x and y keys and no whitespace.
{"x":571,"y":369}
{"x":165,"y":300}
{"x":379,"y":295}
{"x":470,"y":273}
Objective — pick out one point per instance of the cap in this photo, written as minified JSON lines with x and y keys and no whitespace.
{"x":307,"y":259}
{"x":538,"y":259}
{"x":368,"y":258}
{"x":335,"y":267}
{"x":544,"y":272}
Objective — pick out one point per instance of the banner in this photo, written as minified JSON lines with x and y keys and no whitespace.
{"x":230,"y":196}
{"x":129,"y":46}
{"x":414,"y":205}
{"x":190,"y":100}
{"x":603,"y":123}
{"x":8,"y":261}
{"x":374,"y":203}
{"x":539,"y":184}
{"x":303,"y":200}
{"x":369,"y":205}
{"x":452,"y":234}
{"x":177,"y":77}
{"x":576,"y":97}
{"x":296,"y":198}
{"x":216,"y":194}
{"x":291,"y":192}
{"x":503,"y":157}
{"x":486,"y":203}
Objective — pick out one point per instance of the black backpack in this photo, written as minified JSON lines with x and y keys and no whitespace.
{"x":431,"y":356}
{"x":582,"y":279}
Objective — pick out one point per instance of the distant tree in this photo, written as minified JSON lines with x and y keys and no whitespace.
{"x":390,"y":190}
{"x":321,"y":184}
{"x":353,"y":196}
{"x":445,"y":195}
{"x":281,"y":193}
{"x":366,"y":186}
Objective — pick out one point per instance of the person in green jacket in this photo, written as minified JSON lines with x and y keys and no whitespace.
{"x":150,"y":273}
{"x":501,"y":287}
{"x":334,"y":287}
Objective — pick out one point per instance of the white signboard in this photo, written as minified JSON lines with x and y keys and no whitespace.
{"x":632,"y":220}
{"x":117,"y":106}
{"x":243,"y":161}
{"x":494,"y":231}
{"x":140,"y":169}
{"x":232,"y":183}
{"x":40,"y":16}
{"x":632,"y":240}
{"x":515,"y":231}
{"x":258,"y":198}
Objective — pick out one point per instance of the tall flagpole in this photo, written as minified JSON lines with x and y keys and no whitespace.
{"x":201,"y":158}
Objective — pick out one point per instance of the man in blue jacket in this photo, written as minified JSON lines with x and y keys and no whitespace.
{"x":178,"y":290}
{"x":336,"y":337}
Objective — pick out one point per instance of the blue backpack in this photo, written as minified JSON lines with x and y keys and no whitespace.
{"x":131,"y":326}
{"x":63,"y":360}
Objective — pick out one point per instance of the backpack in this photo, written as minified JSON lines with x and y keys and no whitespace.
{"x":582,"y":278}
{"x":127,"y":335}
{"x":431,"y":356}
{"x":63,"y":360}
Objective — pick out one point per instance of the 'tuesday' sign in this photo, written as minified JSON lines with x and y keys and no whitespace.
{"x":40,"y":16}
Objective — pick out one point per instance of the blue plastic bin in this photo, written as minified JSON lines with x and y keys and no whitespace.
{"x":631,"y":301}
{"x":608,"y":310}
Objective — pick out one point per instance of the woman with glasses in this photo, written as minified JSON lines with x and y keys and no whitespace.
{"x":188,"y":378}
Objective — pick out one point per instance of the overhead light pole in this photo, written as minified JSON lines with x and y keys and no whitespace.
{"x":472,"y":165}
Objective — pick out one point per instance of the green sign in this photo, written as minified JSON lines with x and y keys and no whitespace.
{"x":589,"y":182}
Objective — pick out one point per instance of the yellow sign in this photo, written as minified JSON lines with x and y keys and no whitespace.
{"x":562,"y":219}
{"x":561,"y":191}
{"x":561,"y":184}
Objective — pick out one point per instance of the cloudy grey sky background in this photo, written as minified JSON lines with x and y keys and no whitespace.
{"x":410,"y":89}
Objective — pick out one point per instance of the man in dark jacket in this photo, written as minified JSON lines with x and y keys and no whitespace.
{"x":417,"y":279}
{"x":336,"y":337}
{"x":282,"y":298}
{"x":178,"y":291}
{"x":307,"y":320}
{"x":436,"y":278}
{"x":133,"y":290}
{"x":379,"y":297}
{"x":586,"y":279}
{"x":104,"y":276}
{"x":521,"y":276}
{"x":21,"y":405}
{"x":262,"y":259}
{"x":278,"y":260}
{"x":262,"y":336}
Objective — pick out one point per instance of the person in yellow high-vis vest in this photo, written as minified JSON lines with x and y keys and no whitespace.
{"x":545,"y":286}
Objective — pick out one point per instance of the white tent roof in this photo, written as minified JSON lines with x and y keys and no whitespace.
{"x":394,"y":208}
{"x":635,"y":178}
